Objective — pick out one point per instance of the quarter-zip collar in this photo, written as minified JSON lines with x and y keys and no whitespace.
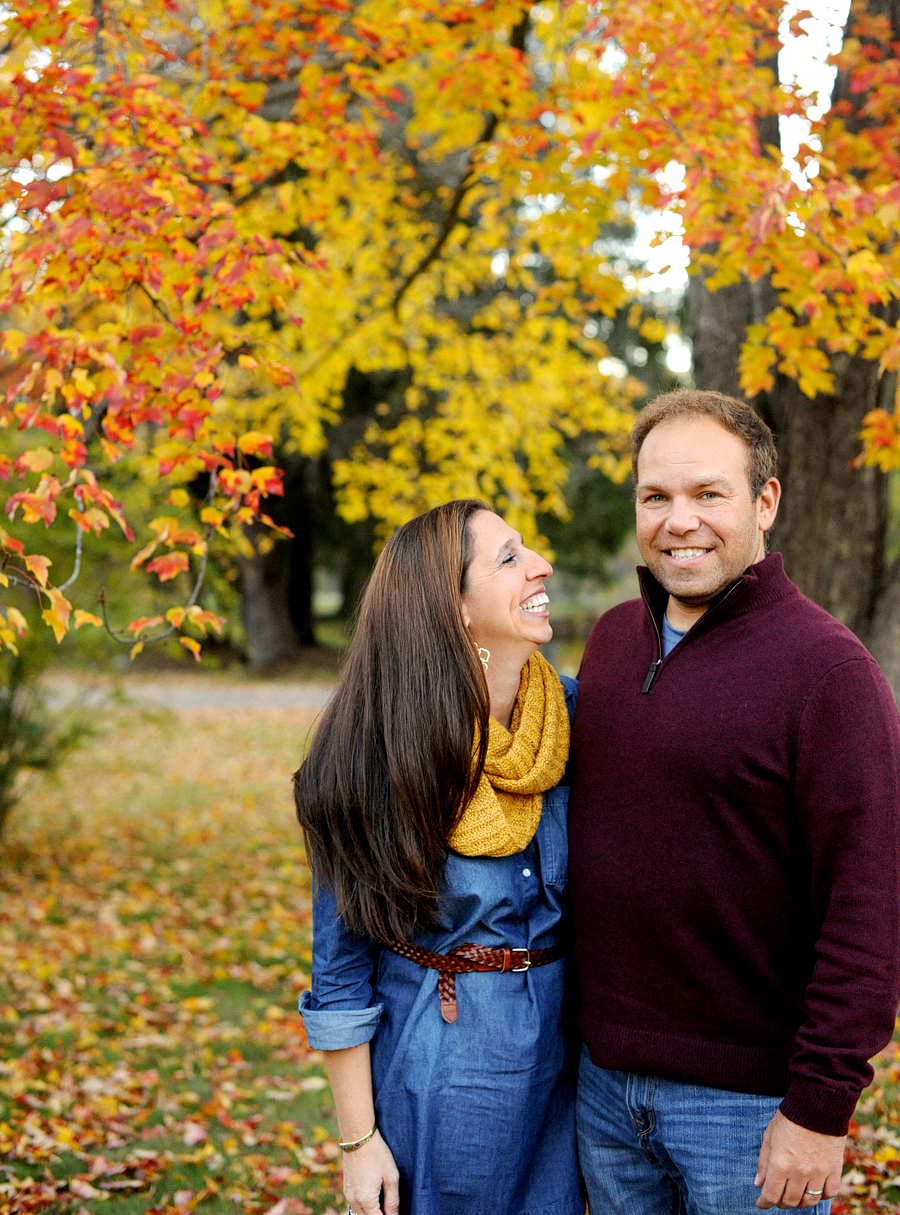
{"x":763,"y":582}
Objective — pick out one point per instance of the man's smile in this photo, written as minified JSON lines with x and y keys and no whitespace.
{"x":685,"y":555}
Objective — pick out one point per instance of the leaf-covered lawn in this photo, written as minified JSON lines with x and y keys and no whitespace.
{"x":154,"y":937}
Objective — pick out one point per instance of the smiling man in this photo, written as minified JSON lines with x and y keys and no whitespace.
{"x":733,"y":849}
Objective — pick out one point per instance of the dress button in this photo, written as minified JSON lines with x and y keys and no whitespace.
{"x":526,"y":873}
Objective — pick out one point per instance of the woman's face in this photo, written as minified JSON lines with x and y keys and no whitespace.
{"x":505,"y":604}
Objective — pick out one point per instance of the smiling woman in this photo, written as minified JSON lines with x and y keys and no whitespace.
{"x":505,"y":606}
{"x":436,"y":828}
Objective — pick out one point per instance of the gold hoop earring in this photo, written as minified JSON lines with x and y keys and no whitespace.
{"x":484,"y":655}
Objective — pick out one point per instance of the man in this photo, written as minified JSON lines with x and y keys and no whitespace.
{"x":733,"y":849}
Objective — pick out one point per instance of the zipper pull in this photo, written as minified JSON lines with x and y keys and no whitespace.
{"x":651,"y":675}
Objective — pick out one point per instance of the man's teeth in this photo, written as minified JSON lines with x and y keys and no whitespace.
{"x":684,"y":554}
{"x":534,"y":604}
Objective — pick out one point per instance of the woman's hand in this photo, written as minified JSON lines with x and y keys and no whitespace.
{"x":368,"y":1171}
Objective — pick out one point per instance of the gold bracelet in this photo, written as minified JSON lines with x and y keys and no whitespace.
{"x":358,"y":1143}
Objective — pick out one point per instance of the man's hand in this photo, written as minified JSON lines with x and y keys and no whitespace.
{"x":368,"y":1171}
{"x":797,"y":1167}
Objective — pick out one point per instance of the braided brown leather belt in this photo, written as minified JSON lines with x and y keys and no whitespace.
{"x":470,"y":957}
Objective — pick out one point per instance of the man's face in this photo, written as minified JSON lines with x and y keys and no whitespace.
{"x":698,"y":528}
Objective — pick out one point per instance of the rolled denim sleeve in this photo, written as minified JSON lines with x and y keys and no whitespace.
{"x":339,"y":1010}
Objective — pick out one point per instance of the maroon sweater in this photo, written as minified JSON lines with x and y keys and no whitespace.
{"x":734,"y":849}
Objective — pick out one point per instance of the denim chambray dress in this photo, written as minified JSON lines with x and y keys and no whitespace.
{"x":480,"y":1114}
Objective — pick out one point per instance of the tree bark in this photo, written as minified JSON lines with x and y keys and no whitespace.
{"x":271,"y":638}
{"x":277,"y":581}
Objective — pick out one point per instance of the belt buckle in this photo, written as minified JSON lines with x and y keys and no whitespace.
{"x":526,"y":962}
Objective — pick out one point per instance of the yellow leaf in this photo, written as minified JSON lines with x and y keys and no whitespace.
{"x":36,"y":460}
{"x":653,"y":330}
{"x":38,"y":566}
{"x":193,"y":646}
{"x":57,"y":615}
{"x":865,"y":262}
{"x":246,"y":360}
{"x":754,"y":364}
{"x":13,"y":341}
{"x":135,"y":649}
{"x":86,"y":618}
{"x":50,"y":617}
{"x":255,"y":441}
{"x":17,"y":620}
{"x":814,"y":379}
{"x":139,"y":558}
{"x":175,"y":616}
{"x":179,"y":497}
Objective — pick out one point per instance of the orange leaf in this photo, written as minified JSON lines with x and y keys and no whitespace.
{"x":143,"y":622}
{"x":86,"y":618}
{"x":168,"y":566}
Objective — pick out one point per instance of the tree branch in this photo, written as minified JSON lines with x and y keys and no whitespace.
{"x":123,"y":638}
{"x":492,"y":121}
{"x":451,"y":216}
{"x":79,"y":549}
{"x":99,"y":60}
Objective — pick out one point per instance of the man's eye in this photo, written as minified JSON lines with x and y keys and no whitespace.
{"x":710,"y":493}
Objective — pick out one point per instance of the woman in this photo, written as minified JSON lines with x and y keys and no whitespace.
{"x":422,"y":843}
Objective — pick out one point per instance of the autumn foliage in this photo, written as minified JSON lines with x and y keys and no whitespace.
{"x":217,"y":211}
{"x":209,"y":226}
{"x":698,"y":85}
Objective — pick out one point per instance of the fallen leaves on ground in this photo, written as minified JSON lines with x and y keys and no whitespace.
{"x":871,"y":1179}
{"x":154,"y":938}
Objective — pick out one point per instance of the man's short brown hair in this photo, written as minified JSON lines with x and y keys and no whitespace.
{"x":734,"y":415}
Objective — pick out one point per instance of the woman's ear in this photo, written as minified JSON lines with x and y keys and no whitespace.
{"x":467,"y":619}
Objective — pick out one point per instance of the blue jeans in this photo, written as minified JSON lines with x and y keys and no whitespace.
{"x":650,"y":1146}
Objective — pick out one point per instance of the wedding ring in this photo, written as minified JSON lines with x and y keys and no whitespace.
{"x":815,"y":1193}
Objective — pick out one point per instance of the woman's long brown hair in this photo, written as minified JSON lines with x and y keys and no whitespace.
{"x":390,"y":767}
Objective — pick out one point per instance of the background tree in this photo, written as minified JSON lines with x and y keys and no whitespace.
{"x":426,"y":190}
{"x":833,"y":525}
{"x":795,"y":302}
{"x":397,"y":179}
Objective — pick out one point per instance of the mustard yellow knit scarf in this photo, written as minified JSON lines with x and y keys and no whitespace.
{"x":522,"y":763}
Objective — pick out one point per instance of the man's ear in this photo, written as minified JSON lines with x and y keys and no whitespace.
{"x":767,"y":503}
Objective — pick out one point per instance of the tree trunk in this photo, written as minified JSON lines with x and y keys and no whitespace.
{"x":277,"y":581}
{"x":271,"y":638}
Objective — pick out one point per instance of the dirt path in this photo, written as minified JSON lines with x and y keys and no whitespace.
{"x":186,"y":692}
